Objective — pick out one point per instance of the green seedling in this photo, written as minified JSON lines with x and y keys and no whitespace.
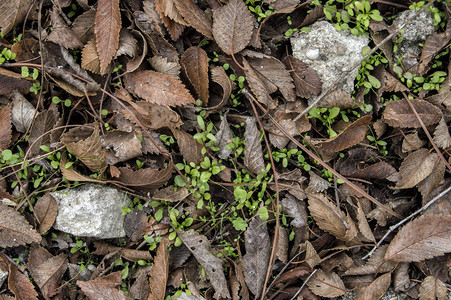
{"x":326,"y":116}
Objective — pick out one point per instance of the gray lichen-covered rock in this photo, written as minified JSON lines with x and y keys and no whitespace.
{"x":91,"y":211}
{"x":3,"y":276}
{"x":330,"y":52}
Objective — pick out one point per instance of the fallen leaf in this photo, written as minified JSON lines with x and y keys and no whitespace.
{"x":412,"y":142}
{"x":433,"y":45}
{"x":423,"y":238}
{"x":253,"y":153}
{"x":296,"y":210}
{"x":416,"y":167}
{"x":10,"y":81}
{"x":194,"y":62}
{"x":195,"y":17}
{"x":326,"y":284}
{"x":293,"y":128}
{"x":127,"y":253}
{"x":104,"y":287}
{"x":128,"y":45}
{"x":311,"y":256}
{"x":171,"y":18}
{"x":338,"y":98}
{"x":223,"y":138}
{"x":61,"y":33}
{"x":432,"y":288}
{"x":306,"y":80}
{"x":168,"y":194}
{"x":375,"y":264}
{"x":71,"y":174}
{"x":160,"y":271}
{"x":427,"y":185}
{"x":442,"y":138}
{"x":40,"y":131}
{"x":282,"y":245}
{"x":5,"y":127}
{"x":22,"y":112}
{"x":190,"y":148}
{"x":255,"y":261}
{"x":45,"y":209}
{"x":399,"y":114}
{"x":20,"y":285}
{"x":14,"y":229}
{"x":376,"y":289}
{"x":317,"y":184}
{"x":232,"y":26}
{"x":146,"y":179}
{"x":364,"y":227}
{"x":90,"y":58}
{"x":158,"y":88}
{"x":137,"y":59}
{"x":199,"y":247}
{"x":85,"y":143}
{"x":257,"y":86}
{"x":107,"y":28}
{"x":162,"y":65}
{"x":121,"y":146}
{"x":219,"y":76}
{"x":83,"y":26}
{"x":13,"y":13}
{"x":294,"y":273}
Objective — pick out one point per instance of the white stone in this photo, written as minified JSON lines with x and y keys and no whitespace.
{"x":3,"y":276}
{"x":335,"y":51}
{"x":91,"y":211}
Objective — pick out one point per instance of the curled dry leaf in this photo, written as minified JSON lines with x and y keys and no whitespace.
{"x":399,"y":114}
{"x":171,"y":18}
{"x":194,"y":62}
{"x":416,"y":167}
{"x":376,"y":289}
{"x":195,"y":17}
{"x":311,"y":256}
{"x":442,"y":137}
{"x":5,"y":127}
{"x":293,"y":128}
{"x":46,"y":209}
{"x":104,"y":287}
{"x":306,"y":80}
{"x":412,"y":142}
{"x":121,"y":146}
{"x":85,"y":143}
{"x":223,"y":138}
{"x":423,"y":238}
{"x":168,"y":194}
{"x":255,"y":261}
{"x":129,"y":254}
{"x":326,"y":284}
{"x":158,"y":88}
{"x":432,"y":288}
{"x":128,"y":45}
{"x":364,"y":227}
{"x":294,"y":273}
{"x":107,"y":28}
{"x":258,"y":87}
{"x":253,"y":153}
{"x":71,"y":174}
{"x":20,"y":285}
{"x":14,"y":229}
{"x":219,"y":76}
{"x":22,"y":112}
{"x":146,"y":179}
{"x":200,"y":248}
{"x":338,"y":98}
{"x":162,"y":65}
{"x":232,"y":26}
{"x":10,"y":81}
{"x":13,"y":13}
{"x":160,"y":271}
{"x":427,"y":186}
{"x":134,"y":63}
{"x":432,"y":45}
{"x":190,"y":149}
{"x":317,"y":184}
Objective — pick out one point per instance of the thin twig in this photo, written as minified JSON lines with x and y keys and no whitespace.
{"x":302,"y":286}
{"x":393,"y":228}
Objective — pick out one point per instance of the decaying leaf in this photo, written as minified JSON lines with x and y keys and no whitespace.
{"x":168,"y":194}
{"x":399,"y":114}
{"x":427,"y":186}
{"x":13,"y":13}
{"x":255,"y":261}
{"x":121,"y":146}
{"x":375,"y":264}
{"x":128,"y":254}
{"x":83,"y":26}
{"x":326,"y":284}
{"x":162,"y":65}
{"x":432,"y":288}
{"x":158,"y":88}
{"x":317,"y":184}
{"x":41,"y":129}
{"x":9,"y":81}
{"x":71,"y":174}
{"x":412,"y":142}
{"x":306,"y":80}
{"x":432,"y":46}
{"x":190,"y":149}
{"x":14,"y":229}
{"x":219,"y":76}
{"x":253,"y":153}
{"x":107,"y":28}
{"x":195,"y":65}
{"x":104,"y":287}
{"x":85,"y":143}
{"x":416,"y":167}
{"x":258,"y":87}
{"x":160,"y":271}
{"x":232,"y":26}
{"x":128,"y":45}
{"x":146,"y":179}
{"x":46,"y":209}
{"x":61,"y":33}
{"x":223,"y":138}
{"x":5,"y":127}
{"x":195,"y":17}
{"x":20,"y":284}
{"x":442,"y":137}
{"x":89,"y":58}
{"x":376,"y":289}
{"x":423,"y":238}
{"x":22,"y":112}
{"x":291,"y":127}
{"x":199,"y":246}
{"x":338,"y":98}
{"x":171,"y":18}
{"x":311,"y":256}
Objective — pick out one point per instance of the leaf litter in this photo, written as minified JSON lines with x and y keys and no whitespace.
{"x":156,"y":98}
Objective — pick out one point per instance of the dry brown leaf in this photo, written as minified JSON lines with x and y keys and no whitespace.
{"x":61,"y":33}
{"x":219,"y":76}
{"x":311,"y":256}
{"x":375,"y":264}
{"x":427,"y":186}
{"x":442,"y":137}
{"x":338,"y":98}
{"x":423,"y":238}
{"x":399,"y":114}
{"x":253,"y":152}
{"x":232,"y":26}
{"x":20,"y":285}
{"x":26,"y":49}
{"x":22,"y":112}
{"x":282,"y":245}
{"x":293,"y":128}
{"x":168,"y":194}
{"x":194,"y":62}
{"x":432,"y":288}
{"x":146,"y":179}
{"x":107,"y":28}
{"x":41,"y":129}
{"x":432,"y":45}
{"x":71,"y":174}
{"x":9,"y":81}
{"x":13,"y":13}
{"x":160,"y":271}
{"x":195,"y":17}
{"x":83,"y":26}
{"x":136,"y":225}
{"x":376,"y":289}
{"x":128,"y":45}
{"x":104,"y":287}
{"x":158,"y":88}
{"x":121,"y":146}
{"x":352,"y":135}
{"x":200,"y":248}
{"x":306,"y":80}
{"x":317,"y":184}
{"x":326,"y":284}
{"x":134,"y":63}
{"x":412,"y":142}
{"x":46,"y":209}
{"x":416,"y":167}
{"x":5,"y":127}
{"x":255,"y":261}
{"x":127,"y":253}
{"x":89,"y":58}
{"x":85,"y":143}
{"x":190,"y":149}
{"x":293,"y":274}
{"x":364,"y":227}
{"x":14,"y":229}
{"x":172,"y":20}
{"x":258,"y":87}
{"x":223,"y":138}
{"x":162,"y":65}
{"x":47,"y":270}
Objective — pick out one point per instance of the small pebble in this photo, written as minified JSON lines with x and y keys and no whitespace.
{"x":313,"y":54}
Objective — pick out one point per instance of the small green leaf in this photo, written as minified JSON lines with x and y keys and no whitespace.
{"x":263,"y":212}
{"x":374,"y":81}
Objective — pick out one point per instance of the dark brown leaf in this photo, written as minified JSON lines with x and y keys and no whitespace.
{"x":190,"y":149}
{"x":442,"y":137}
{"x":223,"y":138}
{"x":253,"y":152}
{"x":160,"y":271}
{"x":168,"y":194}
{"x":46,"y":209}
{"x":416,"y":167}
{"x":432,"y":288}
{"x":158,"y":88}
{"x":107,"y":28}
{"x":423,"y":238}
{"x":121,"y":146}
{"x":412,"y":142}
{"x":162,"y":65}
{"x":104,"y":287}
{"x":306,"y":80}
{"x":83,"y":26}
{"x":136,"y":225}
{"x":399,"y":114}
{"x":14,"y":229}
{"x":9,"y":81}
{"x":376,"y":289}
{"x":258,"y":87}
{"x":195,"y":17}
{"x":61,"y":33}
{"x":195,"y":65}
{"x":146,"y":179}
{"x":129,"y":254}
{"x":338,"y":98}
{"x":20,"y":285}
{"x":171,"y":18}
{"x":5,"y":127}
{"x":71,"y":174}
{"x":375,"y":264}
{"x":258,"y":250}
{"x":219,"y":76}
{"x":200,"y":247}
{"x":40,"y":131}
{"x":427,"y":186}
{"x":293,"y":274}
{"x":326,"y":284}
{"x":13,"y":13}
{"x":432,"y":46}
{"x":232,"y":26}
{"x":364,"y":227}
{"x":90,"y":58}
